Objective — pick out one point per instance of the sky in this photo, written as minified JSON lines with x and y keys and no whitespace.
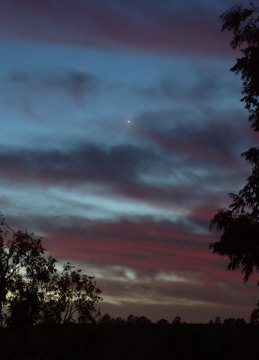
{"x":121,"y":135}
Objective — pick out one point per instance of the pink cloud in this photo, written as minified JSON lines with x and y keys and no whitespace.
{"x":148,"y":248}
{"x":146,"y":245}
{"x":194,"y":149}
{"x":101,"y":25}
{"x":204,"y":212}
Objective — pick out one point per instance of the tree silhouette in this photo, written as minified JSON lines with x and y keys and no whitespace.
{"x":177,"y":320}
{"x":32,"y":290}
{"x":23,"y":264}
{"x":71,"y":294}
{"x":239,"y":223}
{"x":163,"y":322}
{"x":254,"y":316}
{"x":243,"y":22}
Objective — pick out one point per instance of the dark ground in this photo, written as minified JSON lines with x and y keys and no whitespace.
{"x":125,"y":341}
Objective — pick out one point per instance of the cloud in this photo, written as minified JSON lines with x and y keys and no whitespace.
{"x":143,"y":244}
{"x":75,"y":83}
{"x":209,"y":143}
{"x":154,"y":263}
{"x":180,"y":163}
{"x":136,"y":215}
{"x":203,"y":85}
{"x":188,"y":165}
{"x":141,"y":25}
{"x":86,"y":162}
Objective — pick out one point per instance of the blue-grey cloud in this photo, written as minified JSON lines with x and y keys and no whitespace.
{"x":75,"y":83}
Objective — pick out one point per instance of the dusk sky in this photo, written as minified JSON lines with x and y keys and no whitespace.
{"x":121,"y":135}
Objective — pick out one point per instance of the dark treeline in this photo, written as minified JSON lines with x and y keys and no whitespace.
{"x":131,"y":341}
{"x":143,"y":320}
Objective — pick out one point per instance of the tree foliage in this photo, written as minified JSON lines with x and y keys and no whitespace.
{"x":33,"y":290}
{"x":243,"y":22}
{"x":239,"y":223}
{"x":254,"y":316}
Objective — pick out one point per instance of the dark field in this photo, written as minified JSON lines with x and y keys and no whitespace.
{"x":154,"y":341}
